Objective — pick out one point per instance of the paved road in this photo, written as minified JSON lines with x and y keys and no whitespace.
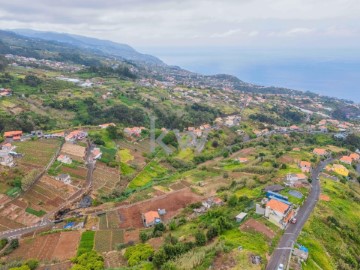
{"x":287,"y":241}
{"x":22,"y":231}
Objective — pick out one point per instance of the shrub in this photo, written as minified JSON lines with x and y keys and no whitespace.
{"x":200,"y":238}
{"x":138,"y":253}
{"x":89,"y":260}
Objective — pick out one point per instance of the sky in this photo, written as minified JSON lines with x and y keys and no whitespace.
{"x":230,"y":35}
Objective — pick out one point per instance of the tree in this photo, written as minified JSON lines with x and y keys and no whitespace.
{"x":114,"y":133}
{"x":88,"y":261}
{"x":32,"y":80}
{"x":159,"y":258}
{"x":3,"y":63}
{"x":138,"y":253}
{"x":143,"y":236}
{"x":212,"y":232}
{"x":233,"y":201}
{"x":200,"y":238}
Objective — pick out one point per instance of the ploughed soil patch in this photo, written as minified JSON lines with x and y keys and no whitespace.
{"x":252,"y":224}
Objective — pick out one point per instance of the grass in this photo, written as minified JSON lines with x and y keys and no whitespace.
{"x":151,"y":170}
{"x":108,"y":154}
{"x":125,"y":155}
{"x":86,"y":242}
{"x":13,"y":191}
{"x":250,"y":241}
{"x":34,"y":212}
{"x":332,"y":244}
{"x":126,"y":169}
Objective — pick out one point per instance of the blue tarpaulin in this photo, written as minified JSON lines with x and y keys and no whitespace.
{"x":69,"y":225}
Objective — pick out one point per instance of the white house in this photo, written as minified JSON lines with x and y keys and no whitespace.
{"x":65,"y":178}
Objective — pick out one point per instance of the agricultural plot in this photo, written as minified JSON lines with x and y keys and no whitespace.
{"x":56,"y":246}
{"x":106,"y":240}
{"x":86,"y":242}
{"x":110,"y":220}
{"x":130,"y":216}
{"x":43,"y":197}
{"x":150,"y":171}
{"x":37,"y":154}
{"x":76,"y":170}
{"x":75,"y":151}
{"x":105,"y":179}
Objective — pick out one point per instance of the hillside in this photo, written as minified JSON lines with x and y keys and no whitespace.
{"x":128,"y":165}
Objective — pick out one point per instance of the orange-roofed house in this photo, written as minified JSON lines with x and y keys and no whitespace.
{"x":355,"y":157}
{"x":346,"y":160}
{"x":293,"y":178}
{"x":278,"y":212}
{"x":151,"y":218}
{"x":305,"y":166}
{"x":242,"y":160}
{"x":13,"y":135}
{"x":320,"y":152}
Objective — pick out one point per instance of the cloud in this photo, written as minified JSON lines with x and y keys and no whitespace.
{"x":187,"y":22}
{"x":226,"y":34}
{"x":299,"y":31}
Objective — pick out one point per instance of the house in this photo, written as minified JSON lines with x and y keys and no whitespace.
{"x":64,"y":159}
{"x":151,"y":218}
{"x":134,"y":131}
{"x":346,"y":160}
{"x":305,"y":166}
{"x":242,"y":160}
{"x":102,"y":126}
{"x":6,"y":159}
{"x":279,"y":212}
{"x":294,"y":128}
{"x":320,"y":152}
{"x":323,"y":129}
{"x":355,"y":157}
{"x":8,"y":147}
{"x":37,"y":133}
{"x":76,"y":135}
{"x":293,"y":178}
{"x":340,"y":169}
{"x":65,"y":178}
{"x":96,"y":153}
{"x":13,"y":135}
{"x":274,"y":188}
{"x":217,"y":201}
{"x":240,"y":217}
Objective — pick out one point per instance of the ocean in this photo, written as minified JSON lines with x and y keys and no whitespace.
{"x":331,"y":72}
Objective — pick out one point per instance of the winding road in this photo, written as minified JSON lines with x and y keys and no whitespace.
{"x":283,"y":251}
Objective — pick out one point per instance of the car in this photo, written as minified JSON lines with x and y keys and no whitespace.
{"x":280,"y":267}
{"x":293,"y":220}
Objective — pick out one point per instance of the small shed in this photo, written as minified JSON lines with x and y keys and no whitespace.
{"x":240,"y":217}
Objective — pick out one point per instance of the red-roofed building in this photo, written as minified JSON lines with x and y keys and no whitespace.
{"x":151,"y":218}
{"x":355,"y":157}
{"x":320,"y":152}
{"x":305,"y":166}
{"x":13,"y":135}
{"x":278,"y":212}
{"x":107,"y":125}
{"x":346,"y":160}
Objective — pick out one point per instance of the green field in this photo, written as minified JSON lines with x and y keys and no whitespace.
{"x":35,"y":212}
{"x":332,"y":232}
{"x":86,"y":242}
{"x":151,"y":170}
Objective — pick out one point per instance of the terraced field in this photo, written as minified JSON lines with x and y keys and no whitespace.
{"x":37,"y":154}
{"x":106,"y":240}
{"x":45,"y":196}
{"x":106,"y":179}
{"x":56,"y":246}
